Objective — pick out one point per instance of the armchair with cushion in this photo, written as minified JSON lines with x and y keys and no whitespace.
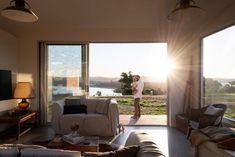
{"x":98,"y":117}
{"x":210,"y":115}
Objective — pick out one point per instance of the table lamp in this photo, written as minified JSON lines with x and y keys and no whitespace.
{"x":23,"y":91}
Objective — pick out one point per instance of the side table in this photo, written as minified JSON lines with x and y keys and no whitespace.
{"x":182,"y":123}
{"x":19,"y":120}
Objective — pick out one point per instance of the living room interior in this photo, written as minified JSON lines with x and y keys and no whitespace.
{"x":108,"y":21}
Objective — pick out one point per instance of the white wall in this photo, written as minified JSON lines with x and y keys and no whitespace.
{"x":8,"y":61}
{"x":29,"y":66}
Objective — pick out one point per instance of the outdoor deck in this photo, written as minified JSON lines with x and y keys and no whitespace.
{"x":144,"y":120}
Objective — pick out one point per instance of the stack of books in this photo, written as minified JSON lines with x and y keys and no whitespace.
{"x":73,"y":139}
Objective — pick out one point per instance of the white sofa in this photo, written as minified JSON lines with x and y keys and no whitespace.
{"x":102,"y":118}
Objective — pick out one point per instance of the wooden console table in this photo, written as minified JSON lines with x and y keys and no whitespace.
{"x":19,"y":120}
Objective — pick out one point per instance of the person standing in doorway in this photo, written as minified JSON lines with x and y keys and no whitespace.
{"x":134,"y":85}
{"x":137,"y":96}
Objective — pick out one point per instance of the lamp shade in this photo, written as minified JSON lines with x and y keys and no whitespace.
{"x":19,"y":12}
{"x":183,"y":9}
{"x":24,"y":90}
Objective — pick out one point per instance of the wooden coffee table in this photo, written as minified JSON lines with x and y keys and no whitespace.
{"x":90,"y":144}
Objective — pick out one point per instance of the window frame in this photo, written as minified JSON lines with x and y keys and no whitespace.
{"x":226,"y":121}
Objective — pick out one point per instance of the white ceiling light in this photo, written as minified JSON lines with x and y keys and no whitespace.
{"x":183,"y":7}
{"x":20,"y":11}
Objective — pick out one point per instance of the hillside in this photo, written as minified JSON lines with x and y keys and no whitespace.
{"x":113,"y":83}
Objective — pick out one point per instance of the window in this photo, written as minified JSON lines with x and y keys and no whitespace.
{"x":219,"y":69}
{"x":66,"y":73}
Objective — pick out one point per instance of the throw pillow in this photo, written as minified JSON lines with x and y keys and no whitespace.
{"x":72,"y":102}
{"x":75,"y":100}
{"x":130,"y":151}
{"x":211,"y":110}
{"x":75,"y":109}
{"x":102,"y":106}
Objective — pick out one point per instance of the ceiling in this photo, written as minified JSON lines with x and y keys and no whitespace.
{"x":71,"y":16}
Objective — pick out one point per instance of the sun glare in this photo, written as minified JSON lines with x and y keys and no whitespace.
{"x":159,"y":67}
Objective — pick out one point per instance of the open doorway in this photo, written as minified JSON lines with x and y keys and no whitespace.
{"x":111,"y":67}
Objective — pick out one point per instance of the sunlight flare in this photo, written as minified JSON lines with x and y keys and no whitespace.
{"x":159,"y":66}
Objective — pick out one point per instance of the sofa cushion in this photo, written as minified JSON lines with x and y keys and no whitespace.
{"x":75,"y":109}
{"x":9,"y":151}
{"x":97,"y":124}
{"x":72,"y":102}
{"x":70,"y":119}
{"x":129,"y":151}
{"x":102,"y":106}
{"x":30,"y":152}
{"x":93,"y":103}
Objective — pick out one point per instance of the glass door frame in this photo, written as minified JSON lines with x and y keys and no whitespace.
{"x":43,"y":70}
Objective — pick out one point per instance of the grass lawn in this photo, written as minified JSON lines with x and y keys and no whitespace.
{"x":156,"y":105}
{"x":150,"y":105}
{"x":230,"y":113}
{"x":225,"y":98}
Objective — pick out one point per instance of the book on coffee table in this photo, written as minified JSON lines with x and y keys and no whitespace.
{"x":73,"y":139}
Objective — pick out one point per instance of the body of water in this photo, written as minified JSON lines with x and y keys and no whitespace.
{"x":104,"y":91}
{"x":60,"y":90}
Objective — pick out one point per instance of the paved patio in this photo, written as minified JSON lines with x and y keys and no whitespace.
{"x":144,"y":120}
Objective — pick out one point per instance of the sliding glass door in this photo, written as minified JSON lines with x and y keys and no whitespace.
{"x":66,"y":73}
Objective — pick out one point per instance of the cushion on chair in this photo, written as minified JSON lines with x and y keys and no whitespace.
{"x":211,"y":110}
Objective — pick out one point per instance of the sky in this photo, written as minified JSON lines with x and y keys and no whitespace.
{"x":144,"y":59}
{"x":110,"y":60}
{"x":64,"y":60}
{"x":219,"y":54}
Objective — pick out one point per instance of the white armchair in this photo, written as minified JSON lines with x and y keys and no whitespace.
{"x":102,"y":118}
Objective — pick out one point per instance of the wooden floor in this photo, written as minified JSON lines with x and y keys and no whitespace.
{"x":144,"y":120}
{"x":170,"y":141}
